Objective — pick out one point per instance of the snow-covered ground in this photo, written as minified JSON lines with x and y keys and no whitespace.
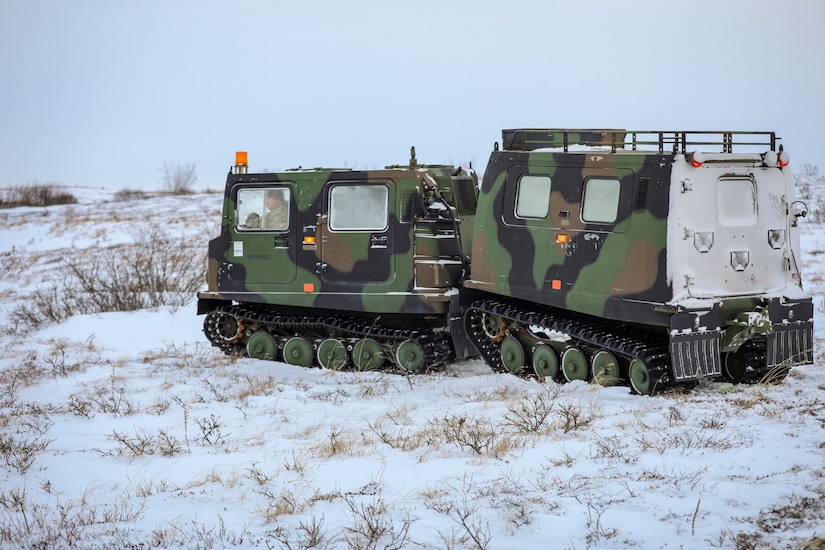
{"x":126,"y":429}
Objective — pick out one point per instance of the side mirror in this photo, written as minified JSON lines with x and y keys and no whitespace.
{"x":798,"y":210}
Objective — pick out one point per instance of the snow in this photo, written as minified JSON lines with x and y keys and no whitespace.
{"x":254,"y":454}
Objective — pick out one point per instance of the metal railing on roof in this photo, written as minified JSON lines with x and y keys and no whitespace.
{"x":665,"y":141}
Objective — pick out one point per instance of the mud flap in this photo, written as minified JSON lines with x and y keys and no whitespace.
{"x":792,"y":340}
{"x":695,"y":355}
{"x":790,"y":345}
{"x":462,"y":344}
{"x":695,"y":344}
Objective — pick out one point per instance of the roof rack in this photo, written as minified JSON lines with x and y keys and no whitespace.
{"x":530,"y":139}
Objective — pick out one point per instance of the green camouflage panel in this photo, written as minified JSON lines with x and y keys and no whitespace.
{"x":378,"y":241}
{"x":585,"y":231}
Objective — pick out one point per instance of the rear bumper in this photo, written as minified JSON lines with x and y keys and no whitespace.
{"x":209,"y":301}
{"x":695,"y":338}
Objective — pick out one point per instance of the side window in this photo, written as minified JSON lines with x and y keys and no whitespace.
{"x":736,"y":202}
{"x":533,"y":199}
{"x":358,"y":207}
{"x":263,"y":209}
{"x":600,"y":203}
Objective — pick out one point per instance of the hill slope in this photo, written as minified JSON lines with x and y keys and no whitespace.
{"x":125,"y":429}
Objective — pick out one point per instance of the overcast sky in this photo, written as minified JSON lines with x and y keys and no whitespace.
{"x":102,"y":92}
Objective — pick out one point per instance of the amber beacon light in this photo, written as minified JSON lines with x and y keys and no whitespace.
{"x":241,"y":162}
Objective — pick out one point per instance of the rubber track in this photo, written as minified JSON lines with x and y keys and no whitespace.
{"x":755,"y":351}
{"x":616,"y":337}
{"x":435,"y":345}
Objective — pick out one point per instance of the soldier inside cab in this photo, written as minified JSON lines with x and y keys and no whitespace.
{"x":277,"y":213}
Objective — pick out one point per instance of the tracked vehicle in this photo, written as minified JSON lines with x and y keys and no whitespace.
{"x":660,"y":258}
{"x":651,"y":258}
{"x":342,"y":268}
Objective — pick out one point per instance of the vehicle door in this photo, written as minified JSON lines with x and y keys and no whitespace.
{"x":356,"y":233}
{"x":264,"y":237}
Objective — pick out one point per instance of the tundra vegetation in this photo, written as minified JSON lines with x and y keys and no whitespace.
{"x":120,"y":428}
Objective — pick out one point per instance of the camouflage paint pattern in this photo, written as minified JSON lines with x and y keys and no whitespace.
{"x":625,"y":233}
{"x":603,"y":269}
{"x":699,"y":249}
{"x":404,"y":260}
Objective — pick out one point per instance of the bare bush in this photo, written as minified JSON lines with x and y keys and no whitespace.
{"x":28,"y":524}
{"x":157,"y":270}
{"x":596,"y":530}
{"x":141,"y":444}
{"x":11,"y":263}
{"x":572,"y":417}
{"x":305,"y":536}
{"x":124,"y":195}
{"x":475,"y":434}
{"x":279,"y":504}
{"x":530,"y":414}
{"x":211,"y":430}
{"x":19,"y":452}
{"x":460,"y":503}
{"x":372,"y":527}
{"x":26,"y":372}
{"x":612,"y":448}
{"x":392,"y":430}
{"x":338,"y":441}
{"x":35,"y":194}
{"x":178,"y":178}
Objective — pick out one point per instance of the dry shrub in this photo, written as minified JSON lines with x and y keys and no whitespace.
{"x":396,"y":430}
{"x":179,"y":178}
{"x":129,"y":195}
{"x":338,"y":441}
{"x":35,"y":194}
{"x":529,"y":415}
{"x":479,"y":435}
{"x":156,"y":270}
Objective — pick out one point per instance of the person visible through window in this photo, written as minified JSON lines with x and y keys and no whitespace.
{"x":277,"y":213}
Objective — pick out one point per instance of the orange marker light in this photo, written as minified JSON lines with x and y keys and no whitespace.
{"x":697,"y":159}
{"x":562,"y":238}
{"x":309,"y":239}
{"x":309,"y":287}
{"x":784,"y":158}
{"x":241,"y":158}
{"x":556,"y":284}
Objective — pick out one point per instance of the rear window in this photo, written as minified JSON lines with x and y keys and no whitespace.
{"x":736,"y":202}
{"x":533,"y":200}
{"x":601,"y":200}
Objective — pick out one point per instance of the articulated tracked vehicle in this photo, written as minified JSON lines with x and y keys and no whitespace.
{"x":653,"y":258}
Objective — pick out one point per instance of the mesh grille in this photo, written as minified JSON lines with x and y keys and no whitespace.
{"x":790,"y":345}
{"x":695,"y":355}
